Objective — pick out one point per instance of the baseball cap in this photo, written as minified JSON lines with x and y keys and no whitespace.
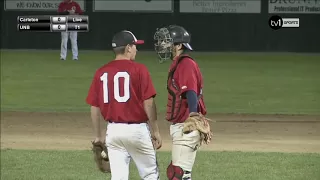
{"x":123,"y":38}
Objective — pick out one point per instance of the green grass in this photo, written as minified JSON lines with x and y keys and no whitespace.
{"x":234,"y":82}
{"x":67,"y":165}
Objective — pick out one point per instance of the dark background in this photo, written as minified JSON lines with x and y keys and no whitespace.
{"x":210,"y":32}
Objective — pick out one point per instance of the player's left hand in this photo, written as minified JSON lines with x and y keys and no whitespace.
{"x":197,"y":121}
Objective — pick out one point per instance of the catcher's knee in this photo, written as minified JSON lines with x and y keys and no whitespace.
{"x":177,"y":173}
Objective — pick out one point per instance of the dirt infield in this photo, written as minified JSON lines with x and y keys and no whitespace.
{"x":232,"y":132}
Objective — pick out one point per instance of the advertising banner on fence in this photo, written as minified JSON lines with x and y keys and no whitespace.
{"x":294,"y":6}
{"x":133,"y":5}
{"x":220,"y":6}
{"x":33,"y":5}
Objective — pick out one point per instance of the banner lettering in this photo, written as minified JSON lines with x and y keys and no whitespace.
{"x":133,"y":6}
{"x":220,"y":6}
{"x":294,"y":6}
{"x":34,"y":5}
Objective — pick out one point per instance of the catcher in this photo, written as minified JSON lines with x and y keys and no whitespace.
{"x":185,"y":106}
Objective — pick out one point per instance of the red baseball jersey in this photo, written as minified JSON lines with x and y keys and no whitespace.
{"x":67,"y":6}
{"x":187,"y":76}
{"x":119,"y":89}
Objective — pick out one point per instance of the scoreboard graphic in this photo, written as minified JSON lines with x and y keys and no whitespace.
{"x":53,"y":23}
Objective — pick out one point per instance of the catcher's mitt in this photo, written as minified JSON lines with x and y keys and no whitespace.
{"x":100,"y":153}
{"x":196,"y":121}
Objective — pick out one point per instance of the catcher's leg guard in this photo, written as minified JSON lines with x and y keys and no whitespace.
{"x":177,"y":173}
{"x":174,"y":172}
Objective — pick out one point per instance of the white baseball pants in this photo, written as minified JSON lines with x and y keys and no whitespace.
{"x":184,"y":147}
{"x":64,"y":44}
{"x":126,"y":141}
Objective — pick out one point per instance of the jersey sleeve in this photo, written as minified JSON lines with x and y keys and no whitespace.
{"x":187,"y":74}
{"x":61,"y":7}
{"x":92,"y":98}
{"x":78,"y":9}
{"x":147,"y":88}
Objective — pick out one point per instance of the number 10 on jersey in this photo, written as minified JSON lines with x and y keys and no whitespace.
{"x":116,"y":87}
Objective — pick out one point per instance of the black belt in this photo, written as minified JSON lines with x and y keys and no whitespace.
{"x":126,"y":122}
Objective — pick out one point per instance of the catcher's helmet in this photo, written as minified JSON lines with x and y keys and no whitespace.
{"x":166,"y":37}
{"x":180,"y":36}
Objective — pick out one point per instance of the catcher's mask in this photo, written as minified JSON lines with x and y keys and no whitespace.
{"x":163,"y":44}
{"x":166,"y":37}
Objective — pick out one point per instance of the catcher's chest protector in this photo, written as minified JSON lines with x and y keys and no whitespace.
{"x":174,"y":98}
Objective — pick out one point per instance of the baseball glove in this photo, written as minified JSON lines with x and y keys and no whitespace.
{"x":100,"y":153}
{"x":196,"y":121}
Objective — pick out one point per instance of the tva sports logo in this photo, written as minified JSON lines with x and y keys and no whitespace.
{"x":276,"y":22}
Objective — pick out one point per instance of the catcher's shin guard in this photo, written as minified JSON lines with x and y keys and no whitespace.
{"x":177,"y":173}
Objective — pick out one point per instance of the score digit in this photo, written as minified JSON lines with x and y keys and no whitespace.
{"x":58,"y":27}
{"x":58,"y":19}
{"x":78,"y":27}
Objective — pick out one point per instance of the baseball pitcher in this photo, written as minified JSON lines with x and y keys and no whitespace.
{"x":69,"y":7}
{"x":123,"y":92}
{"x":185,"y":106}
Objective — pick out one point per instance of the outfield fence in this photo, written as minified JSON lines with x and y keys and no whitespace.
{"x":241,"y":25}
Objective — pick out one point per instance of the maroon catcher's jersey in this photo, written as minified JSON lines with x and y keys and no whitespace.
{"x":71,"y":5}
{"x":184,"y":75}
{"x":119,"y":89}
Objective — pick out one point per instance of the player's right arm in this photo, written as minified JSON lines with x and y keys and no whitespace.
{"x":151,"y":111}
{"x":148,"y":94}
{"x":78,"y":9}
{"x":92,"y":99}
{"x":62,"y":10}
